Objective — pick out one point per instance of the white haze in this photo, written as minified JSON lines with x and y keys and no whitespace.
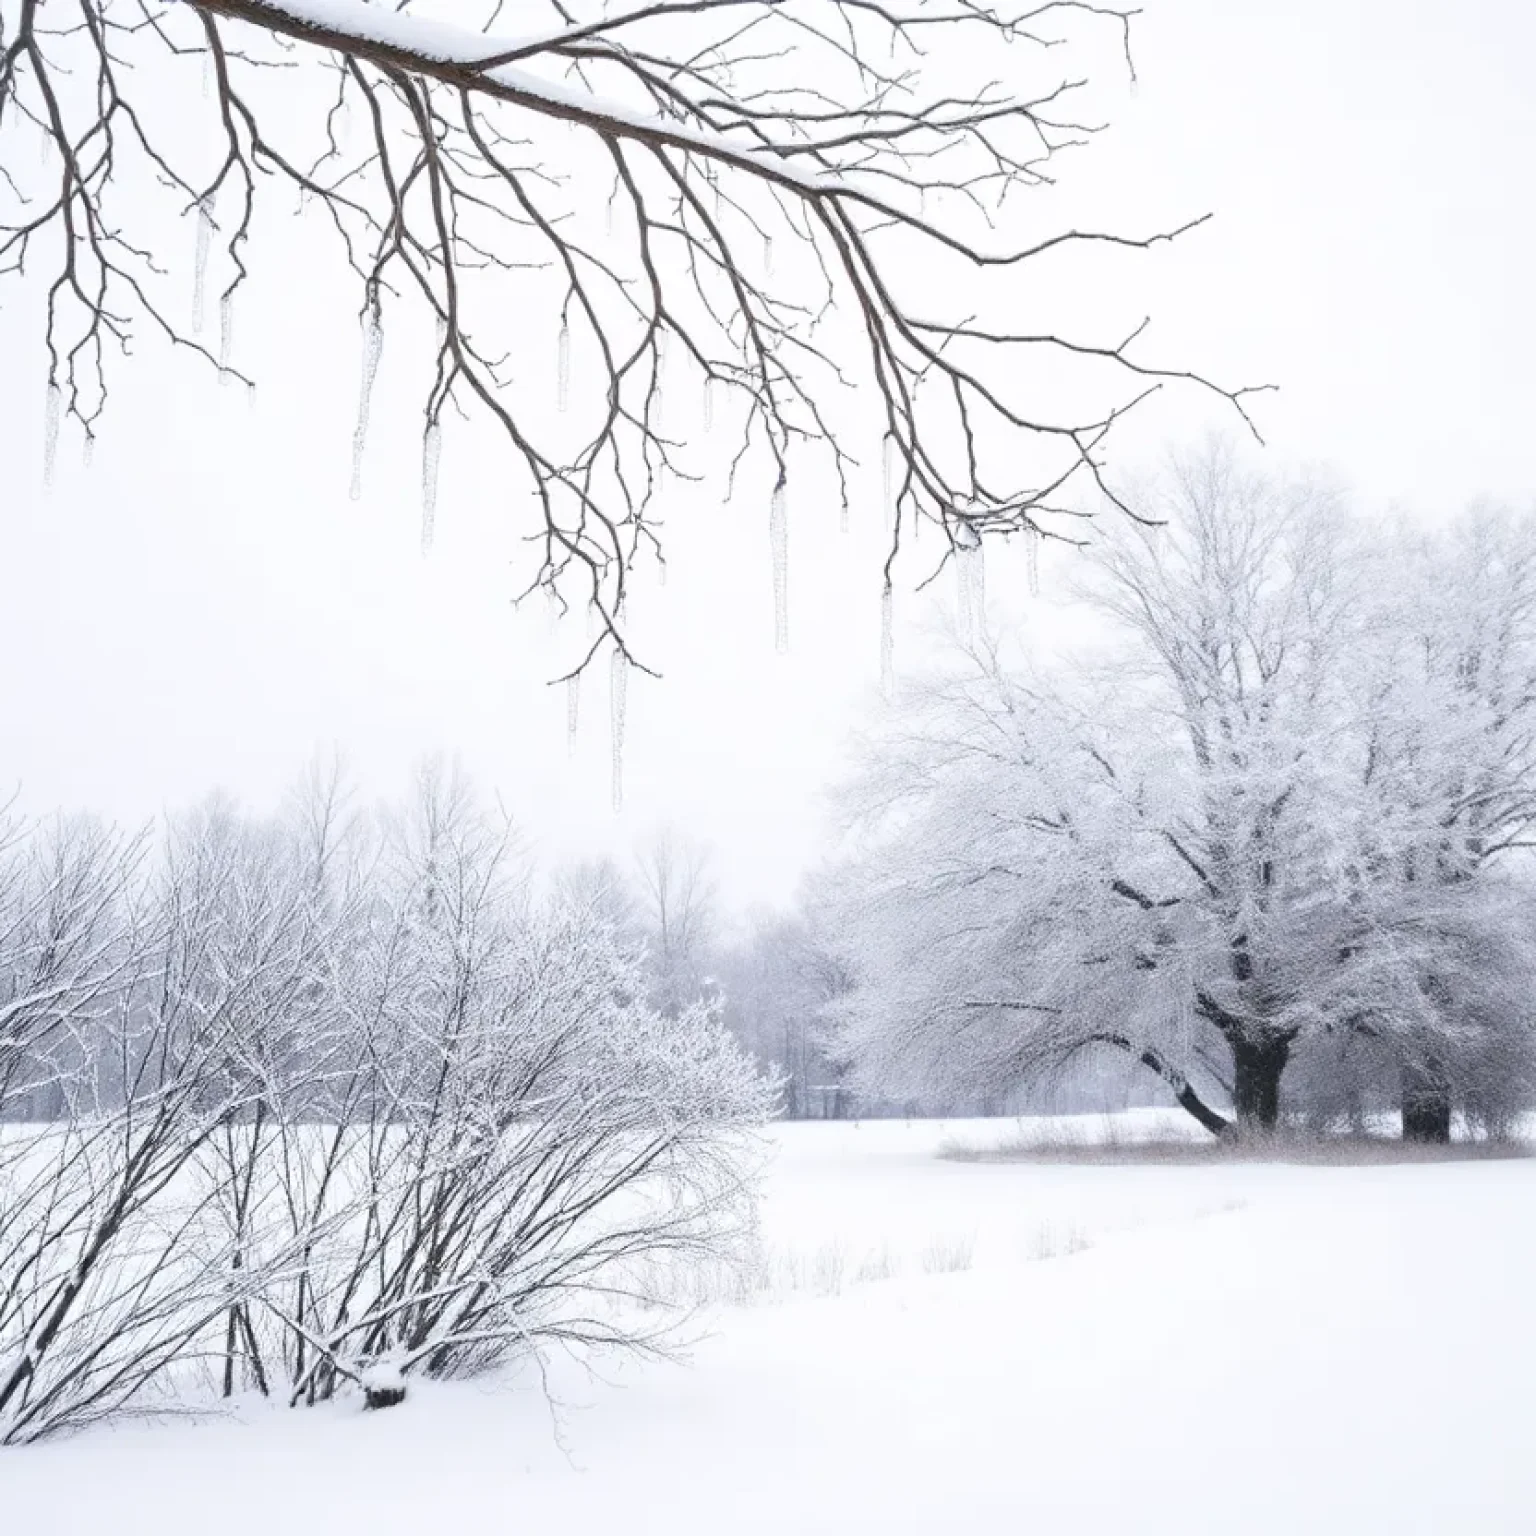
{"x":205,"y":606}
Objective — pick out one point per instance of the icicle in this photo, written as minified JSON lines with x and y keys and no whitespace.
{"x":968,"y":576}
{"x":226,"y":333}
{"x":887,"y":645}
{"x":842,"y":518}
{"x":551,"y":608}
{"x":889,"y":470}
{"x":591,"y":622}
{"x":778,"y":537}
{"x":200,"y":270}
{"x":563,"y":368}
{"x":709,"y":402}
{"x":208,"y":74}
{"x":431,"y":452}
{"x":612,"y":213}
{"x":572,"y":710}
{"x":88,"y":451}
{"x":52,"y":414}
{"x":373,"y":345}
{"x":659,"y":413}
{"x":442,"y":330}
{"x":1032,"y":562}
{"x":619,"y":680}
{"x":768,"y":255}
{"x":971,"y":575}
{"x":965,"y":600}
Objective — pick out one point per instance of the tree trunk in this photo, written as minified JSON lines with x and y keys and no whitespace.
{"x":1257,"y":1066}
{"x":1426,"y":1103}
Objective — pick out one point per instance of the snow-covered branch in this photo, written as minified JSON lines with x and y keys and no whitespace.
{"x":735,"y":200}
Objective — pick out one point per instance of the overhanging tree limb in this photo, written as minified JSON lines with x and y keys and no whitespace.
{"x":716,"y":132}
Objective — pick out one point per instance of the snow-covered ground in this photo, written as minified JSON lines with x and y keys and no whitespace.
{"x":944,"y":1346}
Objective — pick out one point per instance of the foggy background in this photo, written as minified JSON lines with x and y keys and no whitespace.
{"x":205,"y":606}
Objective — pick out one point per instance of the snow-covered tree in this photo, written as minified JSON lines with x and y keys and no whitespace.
{"x":679,"y":917}
{"x":1447,"y":696}
{"x":723,"y":200}
{"x":1188,"y":850}
{"x":346,"y":1101}
{"x":516,"y":1133}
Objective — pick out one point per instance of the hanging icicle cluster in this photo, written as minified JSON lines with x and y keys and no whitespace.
{"x":778,"y":538}
{"x":1032,"y":562}
{"x":572,"y":711}
{"x":373,"y":346}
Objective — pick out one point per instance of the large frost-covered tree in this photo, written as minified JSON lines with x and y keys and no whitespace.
{"x":749,"y":203}
{"x":1265,"y":830}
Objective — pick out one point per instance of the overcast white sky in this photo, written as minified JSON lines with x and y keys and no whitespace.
{"x":206,"y":607}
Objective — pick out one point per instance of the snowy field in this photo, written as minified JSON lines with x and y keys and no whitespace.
{"x":937,"y":1345}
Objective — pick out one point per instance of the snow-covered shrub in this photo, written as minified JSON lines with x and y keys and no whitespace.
{"x":509,"y":1128}
{"x":338,"y":1102}
{"x":551,"y":1132}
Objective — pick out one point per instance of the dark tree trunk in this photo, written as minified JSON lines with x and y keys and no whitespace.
{"x":1257,"y":1066}
{"x":1426,"y":1104}
{"x":1183,"y":1090}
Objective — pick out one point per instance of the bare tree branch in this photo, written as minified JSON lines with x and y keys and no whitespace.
{"x":740,"y":192}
